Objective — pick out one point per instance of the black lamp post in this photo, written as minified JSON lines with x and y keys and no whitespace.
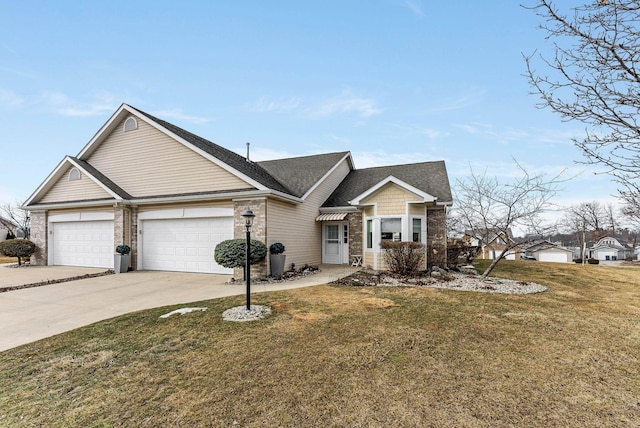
{"x":248,"y":221}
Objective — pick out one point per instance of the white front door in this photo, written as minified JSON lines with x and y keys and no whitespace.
{"x":335,"y":243}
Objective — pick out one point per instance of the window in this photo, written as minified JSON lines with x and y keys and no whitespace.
{"x":391,"y":229}
{"x":417,"y":230}
{"x":369,"y":233}
{"x":130,"y":124}
{"x":345,"y":234}
{"x":74,"y":174}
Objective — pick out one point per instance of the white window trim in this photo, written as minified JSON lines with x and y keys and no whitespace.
{"x":73,"y":177}
{"x":129,"y":120}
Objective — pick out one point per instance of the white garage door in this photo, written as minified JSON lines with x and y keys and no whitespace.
{"x":552,"y":257}
{"x":184,"y":245}
{"x":82,"y":243}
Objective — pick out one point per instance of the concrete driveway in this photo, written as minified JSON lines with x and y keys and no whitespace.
{"x":31,"y":314}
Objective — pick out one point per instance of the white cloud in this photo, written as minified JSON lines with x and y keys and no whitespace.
{"x":177,"y":114}
{"x":261,"y":154}
{"x":414,"y":6}
{"x":9,"y":99}
{"x":264,"y":105}
{"x":346,"y":103}
{"x":341,"y":140}
{"x":368,"y":159}
{"x":100,"y":104}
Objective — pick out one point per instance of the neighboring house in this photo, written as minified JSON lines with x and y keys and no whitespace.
{"x":609,"y":248}
{"x":546,"y":251}
{"x":490,"y":244}
{"x":173,"y":196}
{"x":7,"y":226}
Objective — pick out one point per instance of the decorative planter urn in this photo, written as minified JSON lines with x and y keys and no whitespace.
{"x":276,"y":262}
{"x":121,"y":262}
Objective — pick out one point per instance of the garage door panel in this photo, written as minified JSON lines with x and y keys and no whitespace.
{"x":82,"y":243}
{"x":552,"y":257}
{"x":185,"y":245}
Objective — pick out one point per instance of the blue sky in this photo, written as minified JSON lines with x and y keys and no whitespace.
{"x":393,"y":81}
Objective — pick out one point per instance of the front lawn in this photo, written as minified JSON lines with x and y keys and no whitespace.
{"x":352,"y":356}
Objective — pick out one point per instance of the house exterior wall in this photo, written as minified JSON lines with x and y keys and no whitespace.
{"x":356,"y":235}
{"x":392,"y":200}
{"x":258,"y":231}
{"x":65,"y":190}
{"x":39,"y":236}
{"x":146,"y":162}
{"x":295,"y":225}
{"x":436,"y":237}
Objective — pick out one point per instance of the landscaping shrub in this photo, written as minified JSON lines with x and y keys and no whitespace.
{"x":593,"y":261}
{"x":20,"y":248}
{"x":276,"y":248}
{"x":403,"y":257}
{"x":231,"y":253}
{"x":123,"y":249}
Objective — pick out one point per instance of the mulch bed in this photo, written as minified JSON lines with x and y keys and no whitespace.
{"x":55,"y":281}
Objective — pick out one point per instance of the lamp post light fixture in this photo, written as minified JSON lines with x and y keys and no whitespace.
{"x":248,"y":222}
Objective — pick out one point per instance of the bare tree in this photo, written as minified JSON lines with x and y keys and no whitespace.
{"x":588,"y":220}
{"x":492,"y":207}
{"x":594,"y":78}
{"x":631,"y":211}
{"x":17,"y":216}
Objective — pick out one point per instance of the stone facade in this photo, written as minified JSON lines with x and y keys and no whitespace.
{"x":355,"y":233}
{"x":134,"y":237}
{"x":437,"y":238}
{"x":258,"y":231}
{"x":39,"y":232}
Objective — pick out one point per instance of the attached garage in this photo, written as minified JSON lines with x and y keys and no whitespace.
{"x":555,"y":256}
{"x":87,"y":243}
{"x":184,"y":244}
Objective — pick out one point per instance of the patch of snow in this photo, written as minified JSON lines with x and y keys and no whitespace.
{"x":182,"y":311}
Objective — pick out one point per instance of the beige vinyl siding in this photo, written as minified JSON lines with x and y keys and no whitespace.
{"x":368,"y":258}
{"x":417,"y":209}
{"x":392,"y":200}
{"x":102,"y":209}
{"x":368,"y":212}
{"x":74,"y":190}
{"x":147,"y":162}
{"x":296,"y":226}
{"x":216,"y":204}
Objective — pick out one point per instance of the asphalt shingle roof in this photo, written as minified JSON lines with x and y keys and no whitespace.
{"x":102,"y":178}
{"x":429,"y":177}
{"x":301,"y":173}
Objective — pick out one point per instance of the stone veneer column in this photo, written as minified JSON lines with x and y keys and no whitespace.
{"x":436,"y":237}
{"x":39,"y":234}
{"x":134,"y":238}
{"x":258,"y":231}
{"x":119,"y":230}
{"x":355,"y":233}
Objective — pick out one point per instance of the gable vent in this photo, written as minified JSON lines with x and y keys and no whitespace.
{"x":130,"y":124}
{"x":74,"y":174}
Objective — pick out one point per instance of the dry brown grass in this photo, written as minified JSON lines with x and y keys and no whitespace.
{"x":4,"y":259}
{"x":349,"y":356}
